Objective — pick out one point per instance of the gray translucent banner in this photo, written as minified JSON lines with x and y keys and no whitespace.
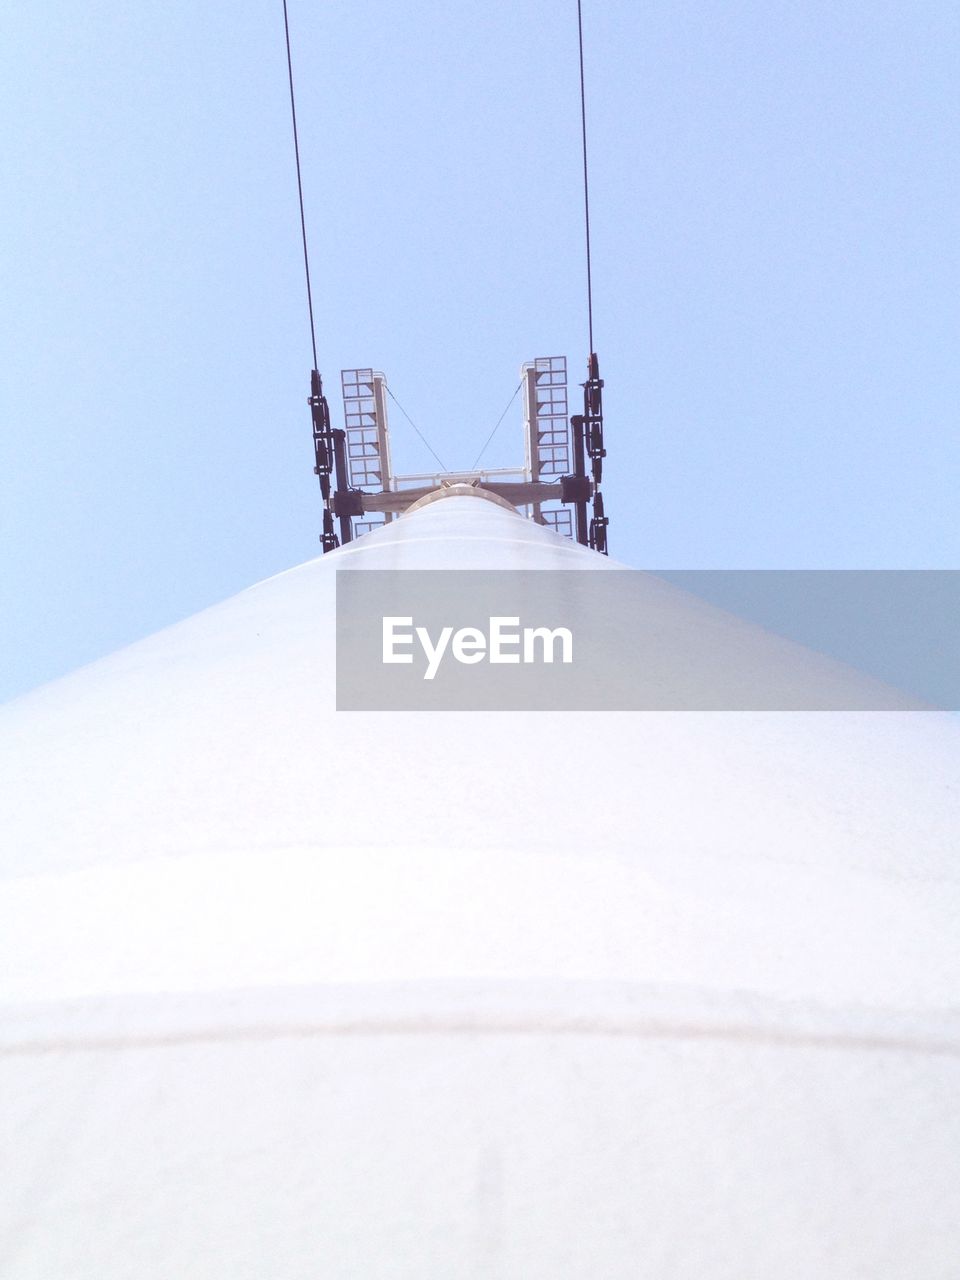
{"x":622,"y":640}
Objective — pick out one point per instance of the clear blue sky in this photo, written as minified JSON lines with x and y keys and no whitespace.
{"x":775,"y":212}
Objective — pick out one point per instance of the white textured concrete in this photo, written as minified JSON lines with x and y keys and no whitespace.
{"x":462,"y":1007}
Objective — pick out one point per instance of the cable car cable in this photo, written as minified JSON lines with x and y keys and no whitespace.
{"x":586,"y":185}
{"x":303,"y":221}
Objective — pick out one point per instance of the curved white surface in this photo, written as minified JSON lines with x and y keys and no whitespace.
{"x":293,"y":993}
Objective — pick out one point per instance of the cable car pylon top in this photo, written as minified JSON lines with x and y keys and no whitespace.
{"x":357,"y":455}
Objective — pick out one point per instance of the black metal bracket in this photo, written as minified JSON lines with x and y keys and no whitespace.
{"x":587,"y":431}
{"x":329,"y":444}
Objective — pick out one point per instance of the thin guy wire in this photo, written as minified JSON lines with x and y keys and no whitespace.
{"x":416,"y":428}
{"x":303,"y":221}
{"x":497,"y":427}
{"x":586,"y":191}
